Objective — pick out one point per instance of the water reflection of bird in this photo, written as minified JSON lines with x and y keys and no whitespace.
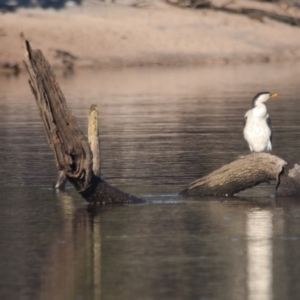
{"x":258,"y":131}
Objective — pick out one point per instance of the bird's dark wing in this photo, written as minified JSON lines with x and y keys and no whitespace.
{"x":270,"y":126}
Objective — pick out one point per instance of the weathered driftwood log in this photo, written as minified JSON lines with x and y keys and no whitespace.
{"x":235,"y":7}
{"x":260,"y":14}
{"x":245,"y":172}
{"x":93,"y":138}
{"x":72,"y":151}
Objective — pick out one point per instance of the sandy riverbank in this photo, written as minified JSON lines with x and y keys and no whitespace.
{"x":99,"y":34}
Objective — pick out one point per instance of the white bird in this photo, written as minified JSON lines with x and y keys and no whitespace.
{"x":258,"y":131}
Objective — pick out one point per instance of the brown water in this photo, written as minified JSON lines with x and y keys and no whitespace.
{"x":160,"y":129}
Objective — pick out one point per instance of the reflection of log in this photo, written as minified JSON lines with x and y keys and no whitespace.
{"x":243,"y":173}
{"x":72,"y":151}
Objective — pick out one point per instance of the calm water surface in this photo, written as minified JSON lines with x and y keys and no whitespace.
{"x":160,"y":129}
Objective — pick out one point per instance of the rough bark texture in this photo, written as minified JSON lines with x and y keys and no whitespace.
{"x":243,"y":173}
{"x":94,"y":141}
{"x":72,"y":151}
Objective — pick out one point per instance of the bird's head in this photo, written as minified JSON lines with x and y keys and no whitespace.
{"x":261,"y":98}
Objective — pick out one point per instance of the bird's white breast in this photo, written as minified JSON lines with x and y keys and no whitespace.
{"x":257,"y":132}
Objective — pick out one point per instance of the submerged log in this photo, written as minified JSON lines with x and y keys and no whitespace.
{"x":245,"y":172}
{"x":73,"y":155}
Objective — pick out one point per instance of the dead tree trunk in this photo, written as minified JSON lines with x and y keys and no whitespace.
{"x":72,"y":151}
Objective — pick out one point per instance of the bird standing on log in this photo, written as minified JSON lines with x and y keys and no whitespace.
{"x":258,"y":131}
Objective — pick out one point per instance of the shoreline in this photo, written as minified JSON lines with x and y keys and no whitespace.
{"x":101,"y":35}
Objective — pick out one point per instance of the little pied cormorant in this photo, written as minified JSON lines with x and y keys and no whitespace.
{"x":258,"y":131}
